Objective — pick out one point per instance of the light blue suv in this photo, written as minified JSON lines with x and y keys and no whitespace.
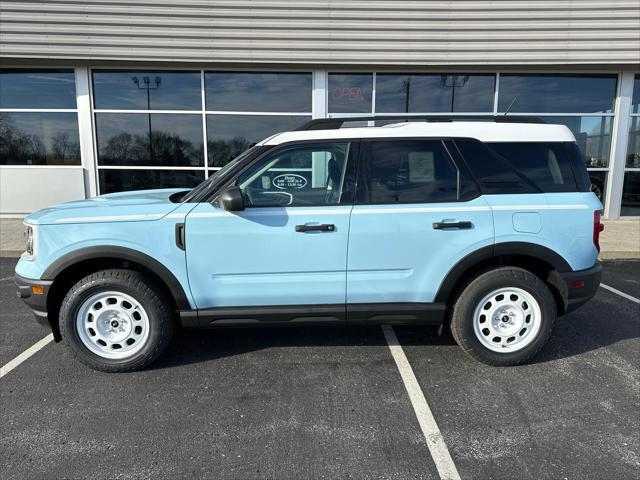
{"x":487,"y":227}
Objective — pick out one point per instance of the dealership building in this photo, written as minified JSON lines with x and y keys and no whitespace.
{"x":104,"y":96}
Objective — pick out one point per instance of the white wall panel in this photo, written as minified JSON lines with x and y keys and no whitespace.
{"x":373,"y":32}
{"x":27,"y":189}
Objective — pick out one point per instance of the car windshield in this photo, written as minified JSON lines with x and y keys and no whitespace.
{"x":204,"y":186}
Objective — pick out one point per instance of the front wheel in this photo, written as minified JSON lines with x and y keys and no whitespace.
{"x":504,"y":316}
{"x":116,"y":320}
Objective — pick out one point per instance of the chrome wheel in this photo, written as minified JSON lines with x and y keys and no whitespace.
{"x":507,"y":320}
{"x":112,"y":325}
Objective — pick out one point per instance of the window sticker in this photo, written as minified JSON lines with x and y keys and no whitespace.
{"x":289,"y":181}
{"x":421,"y":167}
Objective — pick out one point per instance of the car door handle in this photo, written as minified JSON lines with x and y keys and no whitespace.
{"x":325,"y":227}
{"x":446,"y":225}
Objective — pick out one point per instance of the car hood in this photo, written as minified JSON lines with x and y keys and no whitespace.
{"x":143,"y":205}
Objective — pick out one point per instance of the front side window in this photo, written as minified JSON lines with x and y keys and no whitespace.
{"x":296,"y":176}
{"x":415,"y":171}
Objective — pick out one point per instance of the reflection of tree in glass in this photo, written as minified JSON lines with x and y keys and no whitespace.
{"x":222,"y":152}
{"x":18,"y":147}
{"x":64,"y":147}
{"x":168,"y":149}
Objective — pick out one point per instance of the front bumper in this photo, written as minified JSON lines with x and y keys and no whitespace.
{"x":37,"y":302}
{"x":578,"y":287}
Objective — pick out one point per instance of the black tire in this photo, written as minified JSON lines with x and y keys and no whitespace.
{"x":462,"y":319}
{"x":135,"y":284}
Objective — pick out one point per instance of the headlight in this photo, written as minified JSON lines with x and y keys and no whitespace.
{"x":30,"y":237}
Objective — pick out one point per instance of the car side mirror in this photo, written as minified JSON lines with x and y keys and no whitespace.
{"x":231,"y":199}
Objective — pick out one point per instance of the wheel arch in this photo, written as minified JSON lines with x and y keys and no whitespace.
{"x":71,"y":267}
{"x":540,"y":260}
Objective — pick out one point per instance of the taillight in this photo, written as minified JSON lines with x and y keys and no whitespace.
{"x":597,"y":228}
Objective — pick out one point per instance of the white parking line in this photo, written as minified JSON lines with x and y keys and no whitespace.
{"x":25,"y":355}
{"x":5,"y":279}
{"x":435,"y":441}
{"x":622,"y":294}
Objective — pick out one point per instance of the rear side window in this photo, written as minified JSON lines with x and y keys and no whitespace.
{"x":419,"y":171}
{"x":520,"y":167}
{"x":545,"y":164}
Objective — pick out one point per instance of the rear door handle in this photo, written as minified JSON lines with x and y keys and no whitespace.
{"x":325,"y":227}
{"x":446,"y":225}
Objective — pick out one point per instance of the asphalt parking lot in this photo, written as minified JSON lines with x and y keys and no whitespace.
{"x":328,"y":403}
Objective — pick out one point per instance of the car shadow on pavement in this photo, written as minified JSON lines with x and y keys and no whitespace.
{"x":587,"y":329}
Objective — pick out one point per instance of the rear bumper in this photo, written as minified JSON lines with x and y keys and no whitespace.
{"x":579,"y":287}
{"x":36,"y":302}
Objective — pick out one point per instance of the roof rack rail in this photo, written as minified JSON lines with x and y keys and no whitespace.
{"x":336,"y":123}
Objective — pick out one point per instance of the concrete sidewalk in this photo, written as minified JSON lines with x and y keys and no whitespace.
{"x":620,"y":239}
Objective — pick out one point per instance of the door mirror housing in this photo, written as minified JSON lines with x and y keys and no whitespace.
{"x":232,"y":200}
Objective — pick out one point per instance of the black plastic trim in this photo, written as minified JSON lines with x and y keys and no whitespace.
{"x":577,"y":296}
{"x":264,"y":315}
{"x":336,"y":123}
{"x":406,"y":313}
{"x":37,"y":303}
{"x":120,"y":253}
{"x":505,"y":248}
{"x":409,"y":313}
{"x":180,"y":238}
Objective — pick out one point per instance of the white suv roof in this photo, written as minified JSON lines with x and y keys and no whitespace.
{"x":483,"y":131}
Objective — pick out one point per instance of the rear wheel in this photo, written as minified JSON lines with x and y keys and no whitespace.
{"x":504,"y":316}
{"x":116,"y":320}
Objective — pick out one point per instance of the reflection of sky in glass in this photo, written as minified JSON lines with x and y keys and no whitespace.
{"x":230,"y":135}
{"x":39,"y":138}
{"x":434,"y":93}
{"x":37,"y":89}
{"x":176,"y":90}
{"x":123,"y":139}
{"x":258,"y":92}
{"x":350,"y":92}
{"x":557,"y":93}
{"x":127,"y":180}
{"x":593,"y":135}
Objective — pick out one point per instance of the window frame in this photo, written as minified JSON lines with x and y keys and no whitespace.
{"x":461,"y":168}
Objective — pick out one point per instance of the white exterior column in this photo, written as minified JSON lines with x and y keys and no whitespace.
{"x":87,"y":152}
{"x":319,"y":96}
{"x":619,"y":141}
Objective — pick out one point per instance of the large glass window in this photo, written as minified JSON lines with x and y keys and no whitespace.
{"x":557,"y":93}
{"x":37,"y":89}
{"x":161,"y":120}
{"x":350,"y":92}
{"x":124,"y":180}
{"x":33,"y":137}
{"x":631,"y":187}
{"x":417,"y":171}
{"x":39,"y":138}
{"x":631,"y":194}
{"x":143,"y":139}
{"x":434,"y":93}
{"x":302,"y":175}
{"x":146,"y":90}
{"x":230,"y":135}
{"x":258,"y":91}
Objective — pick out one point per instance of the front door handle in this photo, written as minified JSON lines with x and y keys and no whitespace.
{"x":446,"y":225}
{"x":325,"y":227}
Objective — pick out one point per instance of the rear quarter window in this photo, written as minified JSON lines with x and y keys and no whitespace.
{"x":522,"y":167}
